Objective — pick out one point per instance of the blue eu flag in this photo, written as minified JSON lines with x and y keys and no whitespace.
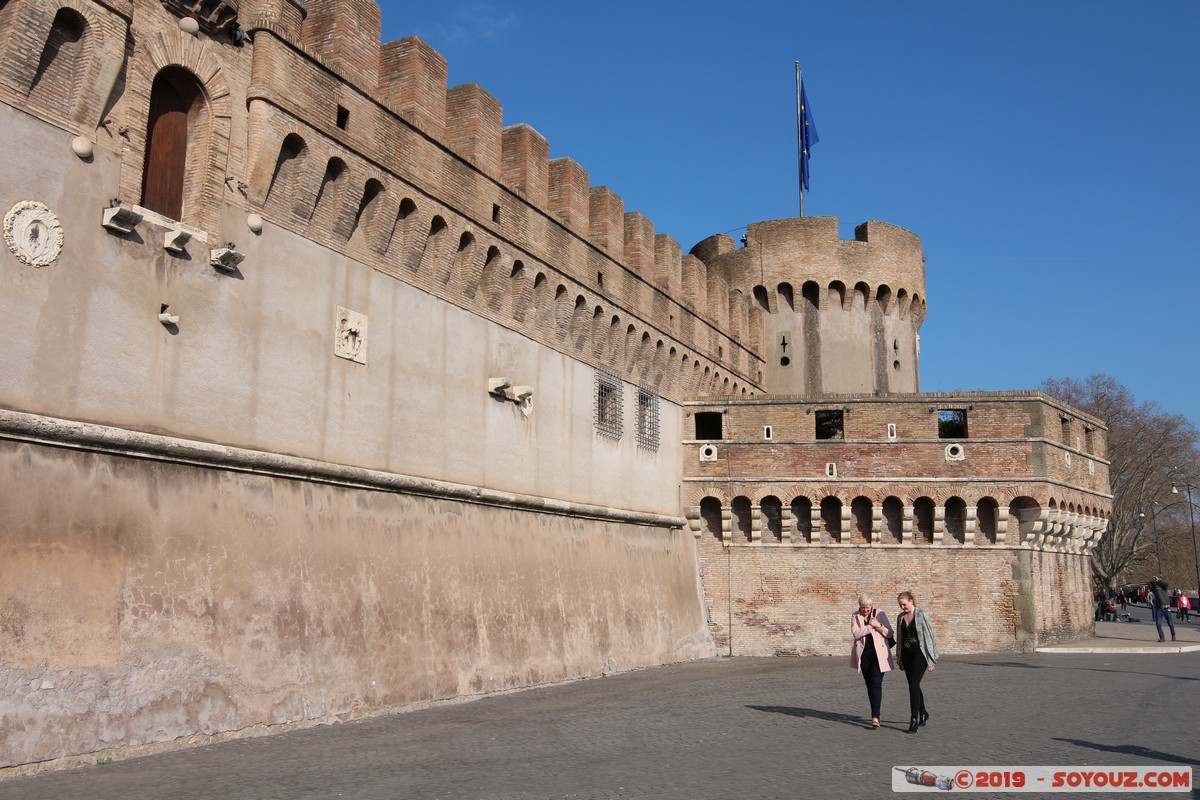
{"x":808,"y":135}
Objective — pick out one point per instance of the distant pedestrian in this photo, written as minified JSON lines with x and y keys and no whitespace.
{"x":869,"y":651}
{"x":1185,"y":606}
{"x":1161,"y":606}
{"x":918,"y":655}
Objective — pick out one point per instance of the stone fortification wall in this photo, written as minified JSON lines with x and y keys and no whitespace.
{"x":316,"y":126}
{"x":252,"y":360}
{"x":342,"y":511}
{"x":778,"y":600}
{"x":1013,"y":438}
{"x":991,"y":528}
{"x":837,"y":315}
{"x":158,"y":592}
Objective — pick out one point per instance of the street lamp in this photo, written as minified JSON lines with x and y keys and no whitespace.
{"x":1191,"y":519}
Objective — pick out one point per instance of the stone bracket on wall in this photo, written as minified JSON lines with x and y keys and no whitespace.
{"x":120,"y":219}
{"x":123,"y":220}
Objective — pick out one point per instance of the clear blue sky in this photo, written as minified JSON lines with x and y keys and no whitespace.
{"x":1045,"y":152}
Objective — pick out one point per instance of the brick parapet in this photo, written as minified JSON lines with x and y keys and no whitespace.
{"x":473,"y":127}
{"x":897,"y":438}
{"x":413,"y":83}
{"x":408,"y":77}
{"x":569,"y":194}
{"x":526,"y":156}
{"x":916,"y":404}
{"x":607,"y":221}
{"x":353,"y":109}
{"x":346,"y":33}
{"x":438,"y":179}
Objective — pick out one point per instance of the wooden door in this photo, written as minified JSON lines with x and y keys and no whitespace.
{"x":166,"y":146}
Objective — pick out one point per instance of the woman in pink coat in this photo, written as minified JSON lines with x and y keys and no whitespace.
{"x":869,"y":653}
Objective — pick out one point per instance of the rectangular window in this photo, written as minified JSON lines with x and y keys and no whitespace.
{"x":1088,"y":441}
{"x":608,"y":404}
{"x":708,"y":425}
{"x":830,"y":425}
{"x":952,"y":423}
{"x":1066,"y":430}
{"x":647,"y":418}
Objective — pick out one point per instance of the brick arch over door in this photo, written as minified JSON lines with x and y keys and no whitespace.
{"x":208,"y":148}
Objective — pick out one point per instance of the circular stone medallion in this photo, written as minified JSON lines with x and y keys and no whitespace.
{"x":33,"y":233}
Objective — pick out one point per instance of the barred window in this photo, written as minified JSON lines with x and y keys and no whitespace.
{"x":609,"y":403}
{"x":647,"y":418}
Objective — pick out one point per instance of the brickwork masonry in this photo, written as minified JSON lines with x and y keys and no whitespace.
{"x":767,"y":601}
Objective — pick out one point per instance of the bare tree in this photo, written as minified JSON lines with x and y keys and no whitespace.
{"x":1145,"y":443}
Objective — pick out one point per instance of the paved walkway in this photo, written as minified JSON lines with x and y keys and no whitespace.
{"x":724,"y":728}
{"x":1136,"y":636}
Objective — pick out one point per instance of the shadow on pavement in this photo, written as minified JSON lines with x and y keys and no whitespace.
{"x":828,"y":716}
{"x":998,"y":664}
{"x":1073,"y":667}
{"x":1131,"y":750}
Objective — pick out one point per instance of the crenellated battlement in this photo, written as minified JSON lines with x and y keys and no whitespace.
{"x":408,"y":78}
{"x":376,"y":146}
{"x":374,"y":131}
{"x":807,"y":251}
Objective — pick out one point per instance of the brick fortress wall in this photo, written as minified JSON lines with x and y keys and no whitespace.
{"x":990,"y":531}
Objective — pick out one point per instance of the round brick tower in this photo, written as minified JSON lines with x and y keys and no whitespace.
{"x":838,"y":316}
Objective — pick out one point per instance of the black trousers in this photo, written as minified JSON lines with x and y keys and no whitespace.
{"x":914,"y":669}
{"x":869,"y":664}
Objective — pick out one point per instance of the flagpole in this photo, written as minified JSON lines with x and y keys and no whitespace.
{"x":799,"y":140}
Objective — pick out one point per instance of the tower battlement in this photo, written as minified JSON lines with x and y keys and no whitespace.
{"x":802,"y":250}
{"x":841,"y":314}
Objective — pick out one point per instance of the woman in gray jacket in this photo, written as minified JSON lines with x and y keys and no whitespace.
{"x":918,"y":653}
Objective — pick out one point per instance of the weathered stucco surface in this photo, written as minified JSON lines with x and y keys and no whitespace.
{"x":143,"y":601}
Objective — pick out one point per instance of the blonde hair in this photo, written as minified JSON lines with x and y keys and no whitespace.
{"x":909,"y":595}
{"x":864,"y":600}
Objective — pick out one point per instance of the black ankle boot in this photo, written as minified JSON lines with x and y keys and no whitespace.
{"x":912,"y":726}
{"x":923,"y":718}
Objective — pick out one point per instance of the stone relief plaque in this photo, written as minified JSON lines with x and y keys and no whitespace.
{"x":33,"y":233}
{"x":350,"y":337}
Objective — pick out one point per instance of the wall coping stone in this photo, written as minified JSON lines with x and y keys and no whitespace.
{"x":54,"y":432}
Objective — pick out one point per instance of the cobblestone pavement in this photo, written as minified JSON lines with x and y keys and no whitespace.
{"x":724,"y":728}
